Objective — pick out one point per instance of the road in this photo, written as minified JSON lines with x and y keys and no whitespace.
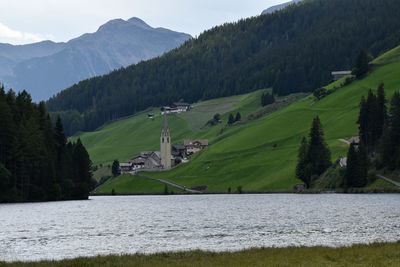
{"x":388,"y":180}
{"x":181,"y":187}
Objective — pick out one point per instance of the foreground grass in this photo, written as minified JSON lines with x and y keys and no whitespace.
{"x":359,"y":255}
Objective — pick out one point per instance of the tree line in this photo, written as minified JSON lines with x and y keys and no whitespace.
{"x":37,"y":163}
{"x":293,"y":50}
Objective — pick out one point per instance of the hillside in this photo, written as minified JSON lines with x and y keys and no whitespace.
{"x":126,"y":138}
{"x":293,"y":50}
{"x":46,"y":68}
{"x":261,"y":155}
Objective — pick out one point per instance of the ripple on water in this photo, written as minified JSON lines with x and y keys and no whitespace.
{"x":149,"y":224}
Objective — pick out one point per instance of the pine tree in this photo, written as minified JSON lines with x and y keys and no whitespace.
{"x":362,"y":171}
{"x":314,"y":157}
{"x":356,"y":174}
{"x":381,"y":115}
{"x":362,"y":65}
{"x":231,"y":119}
{"x":115,"y":168}
{"x":363,"y":122}
{"x":302,"y":162}
{"x":391,"y":139}
{"x":352,"y":166}
{"x":319,"y":156}
{"x":238,"y":117}
{"x":83,"y":167}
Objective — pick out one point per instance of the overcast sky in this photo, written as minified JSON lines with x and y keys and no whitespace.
{"x":27,"y":21}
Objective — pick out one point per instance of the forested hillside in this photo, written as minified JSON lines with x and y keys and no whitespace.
{"x":36,"y":162}
{"x":292,"y":50}
{"x":261,"y":155}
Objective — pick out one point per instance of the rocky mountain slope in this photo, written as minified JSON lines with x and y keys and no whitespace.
{"x":45,"y":68}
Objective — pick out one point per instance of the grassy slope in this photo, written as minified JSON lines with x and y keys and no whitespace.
{"x":246,"y":157}
{"x":126,"y":138}
{"x":360,"y":255}
{"x":261,"y":155}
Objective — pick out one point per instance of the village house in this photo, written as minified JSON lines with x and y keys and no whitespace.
{"x":178,"y":107}
{"x":125,"y":167}
{"x":194,"y":146}
{"x":337,"y":75}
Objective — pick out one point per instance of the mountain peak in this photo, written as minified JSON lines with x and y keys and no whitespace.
{"x":138,"y":22}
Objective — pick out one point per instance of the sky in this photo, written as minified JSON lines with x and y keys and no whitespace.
{"x":28,"y":21}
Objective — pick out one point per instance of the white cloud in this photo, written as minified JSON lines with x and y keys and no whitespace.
{"x":8,"y":35}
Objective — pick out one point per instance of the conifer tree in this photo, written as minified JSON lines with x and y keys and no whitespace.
{"x":231,"y":119}
{"x":318,"y":155}
{"x":115,"y":168}
{"x":238,"y":117}
{"x":302,"y":162}
{"x":352,"y":166}
{"x":391,"y":139}
{"x":314,"y":157}
{"x":362,"y":65}
{"x":362,"y":171}
{"x":356,"y":174}
{"x":381,"y":110}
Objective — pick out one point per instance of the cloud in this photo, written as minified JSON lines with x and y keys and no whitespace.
{"x":8,"y":35}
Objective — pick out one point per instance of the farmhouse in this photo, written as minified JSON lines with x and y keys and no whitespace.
{"x":178,"y":107}
{"x":337,"y":75}
{"x":194,"y":146}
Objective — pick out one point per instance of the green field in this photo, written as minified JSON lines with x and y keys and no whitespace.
{"x":126,"y":138}
{"x":359,"y":255}
{"x":258,"y":155}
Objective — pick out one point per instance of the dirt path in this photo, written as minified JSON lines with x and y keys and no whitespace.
{"x":388,"y":180}
{"x":181,"y":187}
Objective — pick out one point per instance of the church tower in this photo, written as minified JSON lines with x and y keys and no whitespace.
{"x":165,"y":145}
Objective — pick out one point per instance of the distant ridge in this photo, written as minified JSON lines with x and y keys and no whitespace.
{"x":45,"y":68}
{"x":279,"y":7}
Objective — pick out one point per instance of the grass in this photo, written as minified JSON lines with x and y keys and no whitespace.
{"x":128,"y":184}
{"x":262,"y":155}
{"x":360,"y":255}
{"x":128,"y":137}
{"x":259,"y":155}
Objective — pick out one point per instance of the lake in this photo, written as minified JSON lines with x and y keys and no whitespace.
{"x":148,"y":224}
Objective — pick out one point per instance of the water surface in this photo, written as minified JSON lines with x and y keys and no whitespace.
{"x":148,"y":224}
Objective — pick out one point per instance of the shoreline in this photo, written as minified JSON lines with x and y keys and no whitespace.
{"x":308,"y":192}
{"x":342,"y":192}
{"x":376,"y":254}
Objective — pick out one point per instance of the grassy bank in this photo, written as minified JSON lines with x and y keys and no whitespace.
{"x":359,"y":255}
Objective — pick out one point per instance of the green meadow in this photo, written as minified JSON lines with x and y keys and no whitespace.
{"x":359,"y":255}
{"x":258,"y":155}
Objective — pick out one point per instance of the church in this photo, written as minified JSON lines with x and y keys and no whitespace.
{"x":153,"y":160}
{"x":165,"y":145}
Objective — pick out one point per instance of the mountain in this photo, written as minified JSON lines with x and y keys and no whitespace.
{"x":45,"y":68}
{"x":279,"y":7}
{"x":259,"y":155}
{"x":292,"y":51}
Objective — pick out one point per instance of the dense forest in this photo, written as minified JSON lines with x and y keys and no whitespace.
{"x":36,"y":161}
{"x":293,"y":50}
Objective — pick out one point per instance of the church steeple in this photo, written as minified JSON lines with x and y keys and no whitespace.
{"x":165,"y":144}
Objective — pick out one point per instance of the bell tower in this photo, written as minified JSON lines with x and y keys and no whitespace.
{"x":165,"y":145}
